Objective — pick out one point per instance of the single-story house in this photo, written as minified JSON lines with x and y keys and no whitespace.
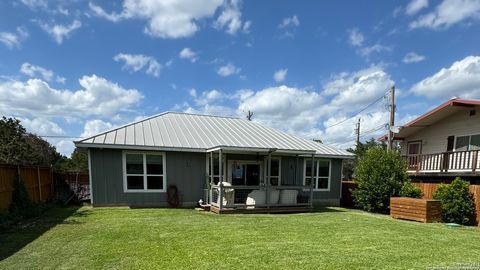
{"x":444,"y":141}
{"x":228,"y":162}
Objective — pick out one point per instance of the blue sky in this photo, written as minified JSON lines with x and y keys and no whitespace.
{"x":75,"y":68}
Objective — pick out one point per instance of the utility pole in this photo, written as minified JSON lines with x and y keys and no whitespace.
{"x":392,"y":118}
{"x":357,"y":131}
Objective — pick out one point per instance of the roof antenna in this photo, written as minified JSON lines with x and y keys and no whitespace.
{"x":249,"y":115}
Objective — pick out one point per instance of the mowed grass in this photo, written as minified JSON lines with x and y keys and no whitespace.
{"x":332,"y":238}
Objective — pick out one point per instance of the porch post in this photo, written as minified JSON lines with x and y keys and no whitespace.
{"x":312,"y":182}
{"x":269,"y":176}
{"x":211,"y":177}
{"x":220,"y":181}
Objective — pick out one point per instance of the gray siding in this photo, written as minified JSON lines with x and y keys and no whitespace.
{"x":185,"y":170}
{"x":188,"y":172}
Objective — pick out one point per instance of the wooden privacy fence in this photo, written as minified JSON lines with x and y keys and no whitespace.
{"x":42,"y":184}
{"x":429,"y":188}
{"x":38,"y":183}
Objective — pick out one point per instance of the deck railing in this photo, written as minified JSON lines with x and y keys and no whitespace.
{"x":254,"y":197}
{"x":444,"y":162}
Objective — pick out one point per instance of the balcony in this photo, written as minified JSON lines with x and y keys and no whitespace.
{"x":458,"y":162}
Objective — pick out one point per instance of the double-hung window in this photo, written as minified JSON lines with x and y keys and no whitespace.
{"x":144,"y":172}
{"x":321,"y":174}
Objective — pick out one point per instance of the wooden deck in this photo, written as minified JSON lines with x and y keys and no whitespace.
{"x":271,"y":210}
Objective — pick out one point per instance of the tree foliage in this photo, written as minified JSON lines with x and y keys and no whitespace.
{"x":458,"y":205}
{"x":380,"y":174}
{"x":359,"y":151}
{"x":78,"y":162}
{"x":409,"y":190}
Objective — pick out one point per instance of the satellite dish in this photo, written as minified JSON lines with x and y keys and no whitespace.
{"x":395,"y":129}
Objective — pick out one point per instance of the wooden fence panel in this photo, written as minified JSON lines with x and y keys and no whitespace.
{"x":7,"y":174}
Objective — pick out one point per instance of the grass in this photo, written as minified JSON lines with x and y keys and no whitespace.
{"x":334,"y":238}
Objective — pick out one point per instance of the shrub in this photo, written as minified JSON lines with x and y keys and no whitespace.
{"x":458,"y":205}
{"x":410,"y":190}
{"x":21,"y":206}
{"x":380,"y":175}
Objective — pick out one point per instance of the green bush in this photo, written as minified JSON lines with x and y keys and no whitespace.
{"x":410,"y":190}
{"x":458,"y":205}
{"x":380,"y":174}
{"x":21,"y":206}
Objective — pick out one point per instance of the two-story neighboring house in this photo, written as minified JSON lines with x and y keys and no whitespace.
{"x":444,"y":142}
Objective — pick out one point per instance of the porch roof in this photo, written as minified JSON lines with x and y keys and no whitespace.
{"x":172,"y":131}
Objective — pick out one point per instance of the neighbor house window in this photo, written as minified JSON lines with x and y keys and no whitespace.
{"x":275,"y":175}
{"x":466,"y":143}
{"x":321,"y":174}
{"x":144,"y":172}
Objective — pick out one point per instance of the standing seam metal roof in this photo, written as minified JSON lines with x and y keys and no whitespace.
{"x":203,"y":132}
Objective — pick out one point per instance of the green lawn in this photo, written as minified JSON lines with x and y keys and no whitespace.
{"x":335,"y":238}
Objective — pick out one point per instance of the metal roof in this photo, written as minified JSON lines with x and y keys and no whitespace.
{"x":200,"y":133}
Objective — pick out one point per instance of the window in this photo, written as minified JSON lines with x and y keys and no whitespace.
{"x":275,"y":175}
{"x":466,"y":143}
{"x":216,"y":168}
{"x":321,"y":174}
{"x":144,"y":172}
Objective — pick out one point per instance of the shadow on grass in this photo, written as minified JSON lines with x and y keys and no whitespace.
{"x":15,"y":237}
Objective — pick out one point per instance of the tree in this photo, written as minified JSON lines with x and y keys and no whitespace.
{"x":458,"y":205}
{"x":359,"y":152}
{"x":380,"y":175}
{"x":77,"y":162}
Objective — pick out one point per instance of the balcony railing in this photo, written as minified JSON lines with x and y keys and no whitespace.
{"x":255,"y":197}
{"x":444,"y":162}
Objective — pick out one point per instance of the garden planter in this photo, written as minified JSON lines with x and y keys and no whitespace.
{"x":423,"y":210}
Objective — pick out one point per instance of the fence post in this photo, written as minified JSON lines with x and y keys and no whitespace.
{"x":39,"y":184}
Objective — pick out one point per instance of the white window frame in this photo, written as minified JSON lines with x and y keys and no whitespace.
{"x":469,"y":141}
{"x":315,"y":178}
{"x":279,"y":170}
{"x":145,"y":189}
{"x":207,"y":166}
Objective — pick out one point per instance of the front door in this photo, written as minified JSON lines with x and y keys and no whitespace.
{"x":244,"y":173}
{"x":414,"y":150}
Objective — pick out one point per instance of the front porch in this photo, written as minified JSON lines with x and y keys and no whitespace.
{"x":455,"y":163}
{"x":251,"y":181}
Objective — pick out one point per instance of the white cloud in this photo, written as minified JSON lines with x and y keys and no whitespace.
{"x":35,"y":97}
{"x":93,"y":127}
{"x":279,"y":75}
{"x":136,"y":62}
{"x":230,"y":18}
{"x":33,"y":71}
{"x":448,"y":13}
{"x":166,"y":19}
{"x":415,"y":6}
{"x":207,"y":96}
{"x":65,"y":147}
{"x":59,"y":32}
{"x":42,"y":126}
{"x":187,"y":53}
{"x":227,"y":70}
{"x":376,"y":48}
{"x":355,"y":37}
{"x":13,"y":40}
{"x":34,"y":4}
{"x":246,"y":27}
{"x":289,"y":26}
{"x":412,"y":57}
{"x":462,"y":79}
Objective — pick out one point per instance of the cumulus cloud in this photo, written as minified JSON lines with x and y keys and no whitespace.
{"x":412,"y":57}
{"x":279,"y":75}
{"x":35,"y":97}
{"x":187,"y":53}
{"x":415,"y":6}
{"x":207,"y":96}
{"x":42,"y":126}
{"x":137,"y":62}
{"x":93,"y":127}
{"x":355,"y":37}
{"x":13,"y":39}
{"x":38,"y":71}
{"x":59,"y":32}
{"x":166,"y":19}
{"x":34,"y":4}
{"x":228,"y":70}
{"x":376,"y":48}
{"x":448,"y":13}
{"x":230,"y":18}
{"x":462,"y":79}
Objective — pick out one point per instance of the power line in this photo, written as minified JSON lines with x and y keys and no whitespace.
{"x":355,"y":114}
{"x":58,"y":136}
